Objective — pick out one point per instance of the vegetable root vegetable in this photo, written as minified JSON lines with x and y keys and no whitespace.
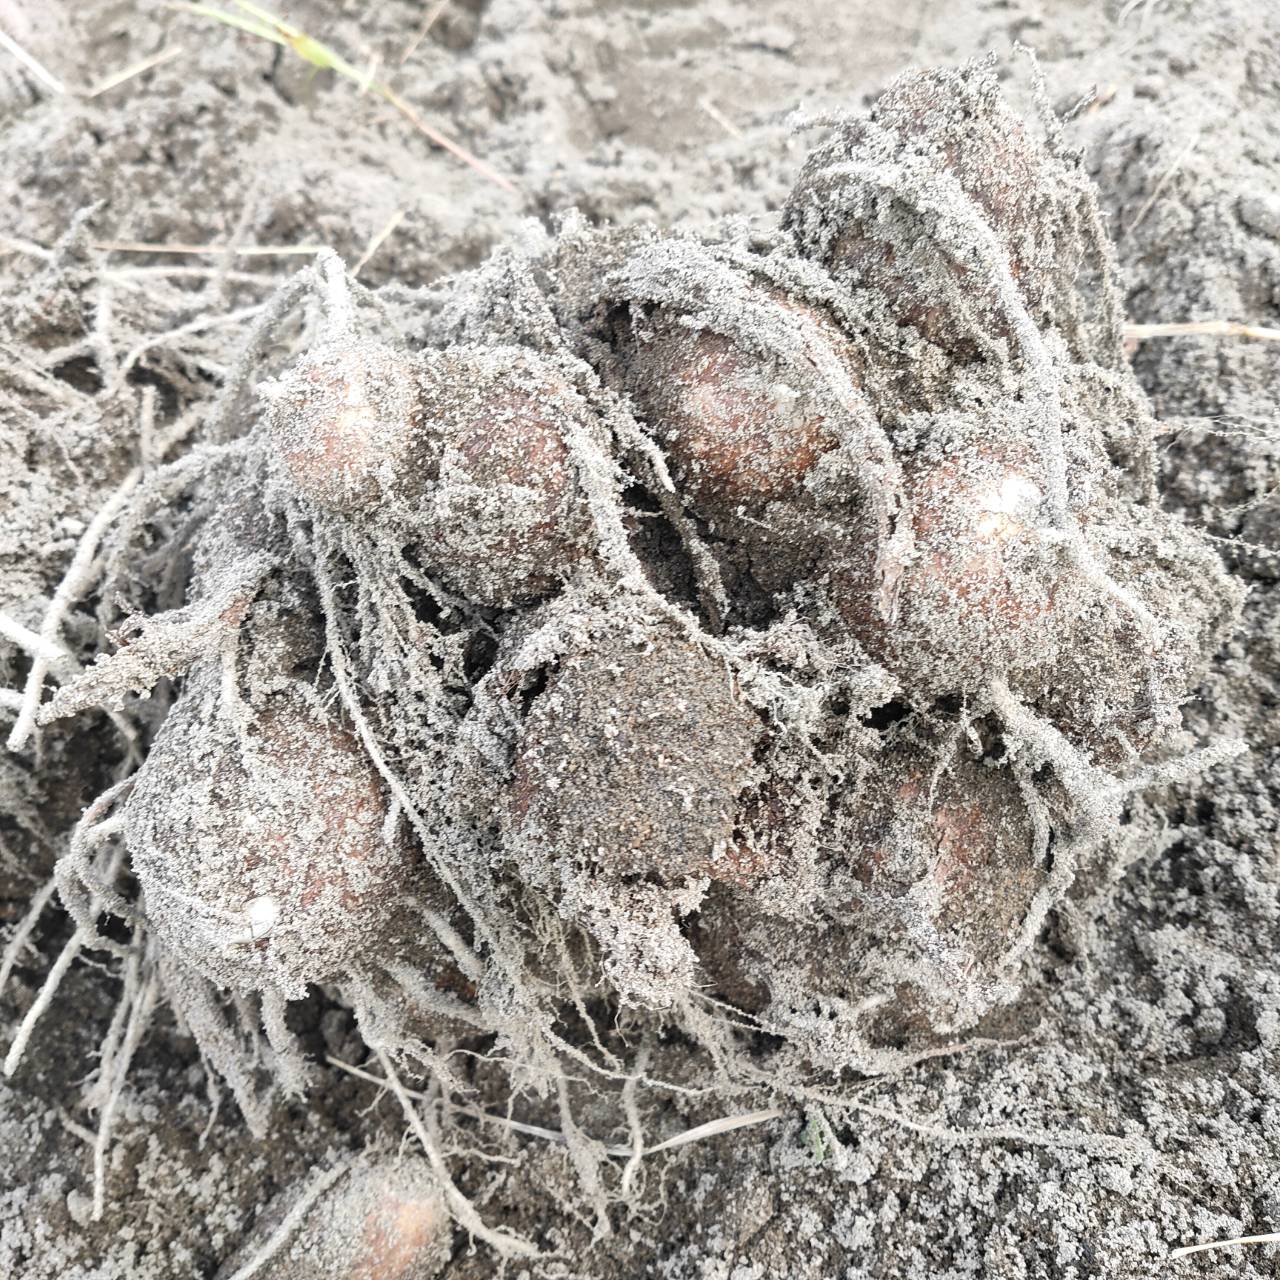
{"x":259,"y":839}
{"x":506,"y":522}
{"x":774,"y":619}
{"x":626,"y":786}
{"x":634,"y":755}
{"x":736,"y":429}
{"x":346,"y":422}
{"x":383,"y":1218}
{"x":980,"y":590}
{"x":935,"y":142}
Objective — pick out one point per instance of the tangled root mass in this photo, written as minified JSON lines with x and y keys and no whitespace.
{"x":741,"y":633}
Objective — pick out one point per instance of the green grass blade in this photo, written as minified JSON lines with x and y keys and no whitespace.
{"x":320,"y":55}
{"x":309,"y":49}
{"x":252,"y":26}
{"x":269,"y":19}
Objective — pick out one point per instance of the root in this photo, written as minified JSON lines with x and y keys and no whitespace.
{"x":77,"y":580}
{"x":290,"y":1065}
{"x":585,"y":1153}
{"x":164,"y":485}
{"x":293,"y":1219}
{"x":711,"y":589}
{"x":633,"y":1153}
{"x":1090,"y":789}
{"x":464,"y":956}
{"x":261,"y":335}
{"x":337,"y":657}
{"x":42,"y":1001}
{"x":141,"y":993}
{"x":86,"y":935}
{"x":504,"y":1243}
{"x":569,"y":976}
{"x":34,"y":645}
{"x":85,"y":894}
{"x":196,"y":1000}
{"x":167,"y":644}
{"x":531,"y":1023}
{"x":1186,"y":768}
{"x":1107,"y":1146}
{"x":632,"y":1112}
{"x":25,"y":928}
{"x":198,"y":325}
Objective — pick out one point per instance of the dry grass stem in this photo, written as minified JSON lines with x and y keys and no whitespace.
{"x":1149,"y":203}
{"x":41,"y":73}
{"x":376,"y":243}
{"x":134,"y":69}
{"x":1272,"y":1237}
{"x":1201,"y":329}
{"x":433,"y":16}
{"x":212,"y":250}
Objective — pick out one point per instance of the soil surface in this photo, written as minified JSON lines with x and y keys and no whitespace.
{"x":1125,"y":1104}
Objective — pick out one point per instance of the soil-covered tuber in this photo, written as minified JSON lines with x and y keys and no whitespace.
{"x":770,"y":618}
{"x":259,"y":833}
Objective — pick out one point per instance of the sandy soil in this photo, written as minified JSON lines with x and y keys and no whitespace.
{"x":1127,"y":1103}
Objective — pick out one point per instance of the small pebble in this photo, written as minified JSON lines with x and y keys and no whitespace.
{"x":1261,"y":213}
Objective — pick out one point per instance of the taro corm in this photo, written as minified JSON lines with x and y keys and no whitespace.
{"x":665,"y":657}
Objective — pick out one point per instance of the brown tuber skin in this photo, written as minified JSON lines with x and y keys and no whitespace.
{"x":632,"y":760}
{"x":625,"y":796}
{"x":1118,"y":710}
{"x":346,"y":421}
{"x":744,"y":431}
{"x":383,"y":1220}
{"x":507,"y":524}
{"x":979,"y":590}
{"x":962,"y":842}
{"x":405,"y":1231}
{"x":957,"y":123}
{"x":956,"y":854}
{"x":261,"y":854}
{"x":462,"y":450}
{"x":737,"y":435}
{"x":938,"y":867}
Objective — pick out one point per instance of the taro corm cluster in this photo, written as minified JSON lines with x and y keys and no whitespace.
{"x":745,"y":633}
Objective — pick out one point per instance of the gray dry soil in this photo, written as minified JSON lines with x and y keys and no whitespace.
{"x":1128,"y":1103}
